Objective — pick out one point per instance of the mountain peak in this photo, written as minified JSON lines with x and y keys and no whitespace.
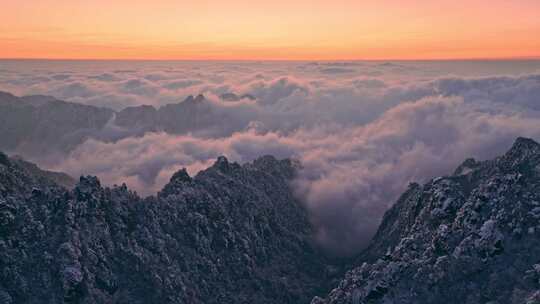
{"x":200,"y":98}
{"x":523,"y":150}
{"x":467,"y":166}
{"x":222,"y":163}
{"x":181,"y":176}
{"x":197,"y":99}
{"x":4,"y":160}
{"x":456,"y":232}
{"x":6,"y":95}
{"x":87,"y":185}
{"x":524,"y":143}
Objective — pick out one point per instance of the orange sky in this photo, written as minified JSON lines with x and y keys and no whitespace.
{"x":278,"y":29}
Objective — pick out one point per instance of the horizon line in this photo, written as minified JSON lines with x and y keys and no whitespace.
{"x":518,"y":58}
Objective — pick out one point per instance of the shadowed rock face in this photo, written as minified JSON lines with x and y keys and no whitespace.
{"x":472,"y":237}
{"x":231,"y":234}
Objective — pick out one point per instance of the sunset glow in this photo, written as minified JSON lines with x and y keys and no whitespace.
{"x":326,"y":30}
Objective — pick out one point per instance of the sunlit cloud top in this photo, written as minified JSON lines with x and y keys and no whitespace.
{"x":238,"y":29}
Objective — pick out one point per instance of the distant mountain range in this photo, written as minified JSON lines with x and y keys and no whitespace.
{"x":41,"y":125}
{"x":237,"y":234}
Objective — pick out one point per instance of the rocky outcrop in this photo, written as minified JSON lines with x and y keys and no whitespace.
{"x":231,"y":234}
{"x":471,"y":237}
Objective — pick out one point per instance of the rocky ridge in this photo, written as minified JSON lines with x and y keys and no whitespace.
{"x":471,"y":237}
{"x":231,"y":234}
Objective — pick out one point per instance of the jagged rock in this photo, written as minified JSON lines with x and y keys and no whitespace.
{"x":231,"y":234}
{"x":466,"y":238}
{"x":4,"y":160}
{"x":180,"y":176}
{"x":467,"y":166}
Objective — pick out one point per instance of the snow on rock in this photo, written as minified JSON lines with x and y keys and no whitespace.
{"x":471,"y":237}
{"x":231,"y":234}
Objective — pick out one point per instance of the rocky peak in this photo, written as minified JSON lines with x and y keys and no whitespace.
{"x":222,"y":164}
{"x":180,"y":176}
{"x":87,"y":186}
{"x":471,"y":237}
{"x":467,"y":166}
{"x":6,"y":95}
{"x":286,"y":167}
{"x":4,"y":160}
{"x":88,"y":182}
{"x":7,"y":98}
{"x":525,"y":144}
{"x":200,"y":98}
{"x":194,"y":100}
{"x":524,"y":151}
{"x":266,"y":161}
{"x":178,"y":181}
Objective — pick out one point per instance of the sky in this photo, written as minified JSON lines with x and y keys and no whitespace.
{"x":270,"y":30}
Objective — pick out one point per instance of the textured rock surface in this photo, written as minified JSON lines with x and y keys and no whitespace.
{"x":231,"y":234}
{"x":472,"y":237}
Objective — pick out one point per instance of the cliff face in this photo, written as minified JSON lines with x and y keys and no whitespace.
{"x":231,"y":234}
{"x":472,"y":237}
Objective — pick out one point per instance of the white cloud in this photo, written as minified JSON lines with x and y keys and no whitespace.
{"x":363,"y":130}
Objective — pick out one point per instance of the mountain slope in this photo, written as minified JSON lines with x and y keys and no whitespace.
{"x":472,"y":237}
{"x":59,"y":178}
{"x":231,"y":234}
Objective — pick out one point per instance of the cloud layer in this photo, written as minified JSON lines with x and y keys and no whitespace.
{"x":362,"y":130}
